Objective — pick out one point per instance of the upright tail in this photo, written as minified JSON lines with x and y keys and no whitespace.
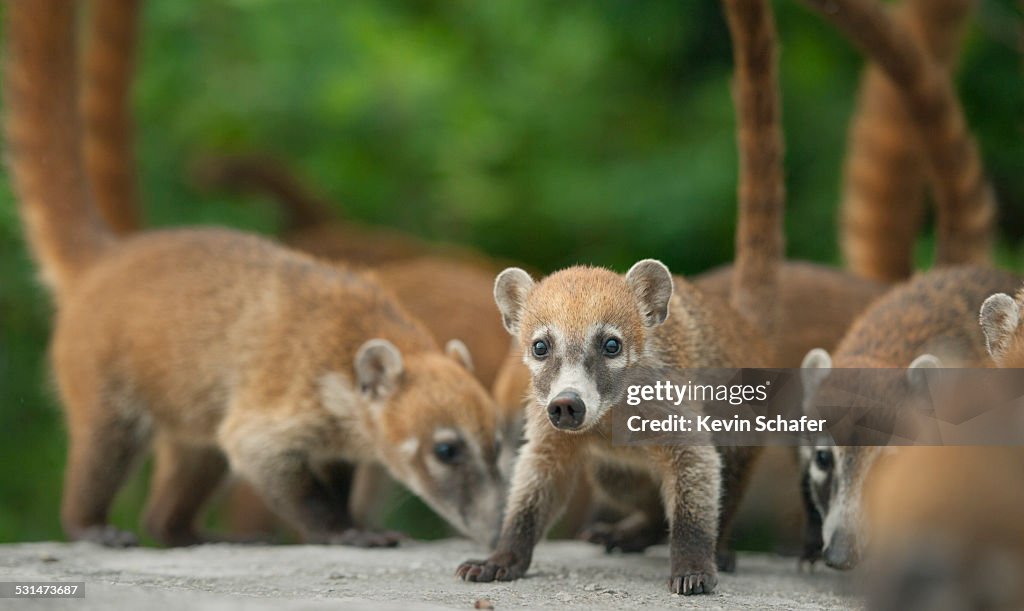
{"x":965,"y":200}
{"x":266,"y":176}
{"x":41,"y":124}
{"x":109,"y":150}
{"x":885,"y":175}
{"x":761,"y":191}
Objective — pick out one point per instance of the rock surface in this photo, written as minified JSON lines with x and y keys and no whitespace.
{"x":415,"y":576}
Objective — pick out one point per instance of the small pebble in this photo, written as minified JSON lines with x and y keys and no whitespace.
{"x":483,"y":603}
{"x":48,"y":558}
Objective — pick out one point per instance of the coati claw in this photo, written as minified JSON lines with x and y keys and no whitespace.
{"x":487,"y":570}
{"x":693,"y":583}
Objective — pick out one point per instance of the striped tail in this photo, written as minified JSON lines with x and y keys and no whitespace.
{"x":41,"y":124}
{"x":109,"y":130}
{"x":885,"y":174}
{"x":266,"y":176}
{"x":965,"y":200}
{"x":761,"y":190}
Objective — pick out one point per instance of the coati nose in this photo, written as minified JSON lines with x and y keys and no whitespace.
{"x":841,"y":551}
{"x":566,"y":411}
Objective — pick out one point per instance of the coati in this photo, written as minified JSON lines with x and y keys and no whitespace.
{"x":583,"y":330}
{"x":966,"y":211}
{"x":229,"y":352}
{"x":946,"y":521}
{"x":447,"y":288}
{"x":884,"y":177}
{"x":927,"y":322}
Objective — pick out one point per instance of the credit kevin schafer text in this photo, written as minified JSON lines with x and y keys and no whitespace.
{"x":735,"y":424}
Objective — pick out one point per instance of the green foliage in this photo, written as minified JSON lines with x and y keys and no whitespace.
{"x":545,"y":132}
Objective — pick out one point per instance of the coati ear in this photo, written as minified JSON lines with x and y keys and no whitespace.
{"x":378,"y":367}
{"x":510,"y":290}
{"x":651,"y":283}
{"x":917,"y":372}
{"x":814,"y":369}
{"x":458,"y":351}
{"x":999,"y":318}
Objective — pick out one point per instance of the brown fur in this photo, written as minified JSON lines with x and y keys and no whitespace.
{"x":67,"y":237}
{"x":817,"y":303}
{"x":885,"y":174}
{"x":964,"y":199}
{"x":947,"y":524}
{"x":226,"y":348}
{"x":760,"y":244}
{"x":700,"y":332}
{"x":934,"y":313}
{"x":108,"y":145}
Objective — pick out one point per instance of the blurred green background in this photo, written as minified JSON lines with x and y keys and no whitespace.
{"x":545,"y":132}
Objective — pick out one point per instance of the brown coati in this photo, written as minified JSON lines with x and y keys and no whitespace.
{"x":229,"y":352}
{"x":583,"y":330}
{"x":108,"y":130}
{"x":929,"y":321}
{"x":965,"y":201}
{"x":884,"y":178}
{"x":946,"y":527}
{"x":445,"y":287}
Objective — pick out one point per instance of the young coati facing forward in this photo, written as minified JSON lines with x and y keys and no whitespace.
{"x":582,"y":330}
{"x":230,"y":352}
{"x":927,"y":322}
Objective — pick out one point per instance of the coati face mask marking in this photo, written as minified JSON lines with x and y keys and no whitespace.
{"x":580,"y":329}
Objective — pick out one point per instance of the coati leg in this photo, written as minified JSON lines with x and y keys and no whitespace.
{"x":291,"y":485}
{"x":692,"y":491}
{"x":812,"y":540}
{"x":103,"y":451}
{"x":630,"y":524}
{"x":184,"y":478}
{"x":737,"y":466}
{"x":544,"y":477}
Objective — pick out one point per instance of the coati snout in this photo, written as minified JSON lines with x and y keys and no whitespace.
{"x":567,"y":410}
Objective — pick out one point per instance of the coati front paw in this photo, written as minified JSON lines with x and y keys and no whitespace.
{"x":700,"y":582}
{"x":500,"y":567}
{"x":355,"y":537}
{"x":107,"y":536}
{"x":627,"y":538}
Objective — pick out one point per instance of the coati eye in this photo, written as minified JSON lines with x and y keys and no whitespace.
{"x":540,"y":348}
{"x":823,"y":459}
{"x":446,"y":451}
{"x":612,"y":346}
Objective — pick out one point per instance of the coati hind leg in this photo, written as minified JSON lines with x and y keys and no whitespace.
{"x":630,"y":516}
{"x":103,"y":451}
{"x":184,"y":478}
{"x":737,"y":466}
